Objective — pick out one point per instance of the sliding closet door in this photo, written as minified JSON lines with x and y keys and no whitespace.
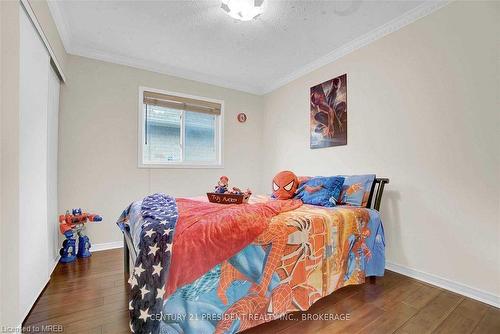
{"x":52,"y":147}
{"x":33,"y":99}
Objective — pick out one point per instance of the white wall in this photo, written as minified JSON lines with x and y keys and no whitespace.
{"x":9,"y":194}
{"x":98,"y":142}
{"x":423,"y":111}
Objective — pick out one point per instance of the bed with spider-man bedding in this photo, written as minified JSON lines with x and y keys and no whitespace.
{"x":201,"y":267}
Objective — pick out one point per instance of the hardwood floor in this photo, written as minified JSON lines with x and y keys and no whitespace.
{"x":90,"y":296}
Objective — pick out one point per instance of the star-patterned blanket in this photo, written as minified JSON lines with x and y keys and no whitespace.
{"x":159,"y":212}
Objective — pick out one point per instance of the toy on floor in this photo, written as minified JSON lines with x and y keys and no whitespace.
{"x":71,"y":224}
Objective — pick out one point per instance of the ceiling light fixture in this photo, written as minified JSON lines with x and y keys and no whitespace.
{"x":243,"y":10}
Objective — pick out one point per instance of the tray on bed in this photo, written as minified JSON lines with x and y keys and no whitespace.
{"x":227,"y":198}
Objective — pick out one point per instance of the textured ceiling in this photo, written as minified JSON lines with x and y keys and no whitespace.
{"x":197,"y":40}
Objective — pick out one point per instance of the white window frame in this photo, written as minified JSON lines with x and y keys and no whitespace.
{"x":219,"y":134}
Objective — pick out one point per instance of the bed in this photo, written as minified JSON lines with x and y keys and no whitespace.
{"x":230,"y":268}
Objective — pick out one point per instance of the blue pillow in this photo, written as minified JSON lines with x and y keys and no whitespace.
{"x":356,"y":189}
{"x":320,"y":190}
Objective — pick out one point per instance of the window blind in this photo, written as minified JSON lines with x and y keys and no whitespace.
{"x":181,"y":103}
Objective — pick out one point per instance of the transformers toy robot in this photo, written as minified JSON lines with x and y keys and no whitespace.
{"x":71,"y":225}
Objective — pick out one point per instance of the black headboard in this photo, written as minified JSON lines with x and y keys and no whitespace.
{"x":379,"y":185}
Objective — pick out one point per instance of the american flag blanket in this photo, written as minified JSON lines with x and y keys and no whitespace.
{"x":147,"y":281}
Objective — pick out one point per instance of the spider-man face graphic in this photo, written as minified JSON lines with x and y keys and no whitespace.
{"x":285,"y":184}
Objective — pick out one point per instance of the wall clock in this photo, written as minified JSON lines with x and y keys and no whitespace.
{"x":242,"y":117}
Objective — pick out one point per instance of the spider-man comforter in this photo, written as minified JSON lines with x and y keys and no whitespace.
{"x":236,"y":266}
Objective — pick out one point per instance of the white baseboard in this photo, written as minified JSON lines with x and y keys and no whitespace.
{"x":56,"y":261}
{"x":106,"y":246}
{"x":468,"y":291}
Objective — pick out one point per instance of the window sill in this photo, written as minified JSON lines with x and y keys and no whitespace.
{"x":180,"y":166}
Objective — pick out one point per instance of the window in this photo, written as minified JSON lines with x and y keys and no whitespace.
{"x":178,"y":130}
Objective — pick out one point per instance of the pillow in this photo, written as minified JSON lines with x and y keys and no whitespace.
{"x":356,"y":189}
{"x":320,"y":190}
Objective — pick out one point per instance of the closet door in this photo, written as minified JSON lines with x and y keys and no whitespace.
{"x":52,"y":147}
{"x":33,"y":99}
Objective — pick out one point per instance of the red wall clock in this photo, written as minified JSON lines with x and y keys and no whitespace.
{"x":242,"y":118}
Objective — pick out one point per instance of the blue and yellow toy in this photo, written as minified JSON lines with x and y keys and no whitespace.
{"x":71,"y":224}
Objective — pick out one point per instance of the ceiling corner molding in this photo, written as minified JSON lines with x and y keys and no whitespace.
{"x":368,"y":38}
{"x":92,"y":53}
{"x":61,"y":24}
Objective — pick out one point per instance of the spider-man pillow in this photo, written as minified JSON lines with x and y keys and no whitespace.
{"x":323,"y":191}
{"x":356,"y":189}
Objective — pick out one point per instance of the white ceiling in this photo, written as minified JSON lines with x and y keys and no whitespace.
{"x":197,"y":40}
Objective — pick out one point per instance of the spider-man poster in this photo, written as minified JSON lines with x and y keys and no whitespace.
{"x":329,"y":113}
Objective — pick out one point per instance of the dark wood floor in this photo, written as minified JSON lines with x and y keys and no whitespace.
{"x":90,"y":296}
